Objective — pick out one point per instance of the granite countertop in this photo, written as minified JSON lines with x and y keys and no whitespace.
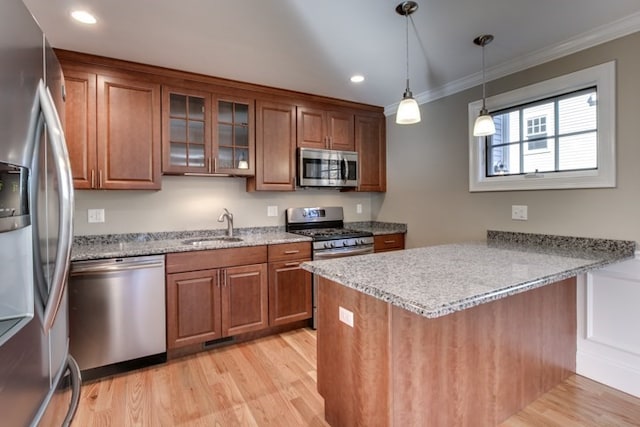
{"x":141,"y":244}
{"x":126,"y":245}
{"x":438,"y":280}
{"x":377,"y":228}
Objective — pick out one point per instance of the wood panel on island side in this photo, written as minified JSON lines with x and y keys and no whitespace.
{"x":477,"y":366}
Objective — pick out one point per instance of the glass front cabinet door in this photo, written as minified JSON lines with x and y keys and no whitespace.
{"x":235,"y":139}
{"x":204,"y":134}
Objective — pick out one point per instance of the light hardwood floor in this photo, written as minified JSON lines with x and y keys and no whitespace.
{"x":272,"y":382}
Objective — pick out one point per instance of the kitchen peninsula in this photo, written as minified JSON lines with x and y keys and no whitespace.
{"x":460,"y":334}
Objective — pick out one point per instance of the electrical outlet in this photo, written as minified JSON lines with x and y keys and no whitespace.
{"x":95,"y":215}
{"x":519,"y":212}
{"x":359,"y":208}
{"x":345,"y":316}
{"x":272,"y":211}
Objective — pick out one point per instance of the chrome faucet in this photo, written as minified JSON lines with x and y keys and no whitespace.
{"x":229,"y":216}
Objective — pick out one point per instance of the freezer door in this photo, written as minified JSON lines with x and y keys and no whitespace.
{"x":20,"y":70}
{"x":24,"y":375}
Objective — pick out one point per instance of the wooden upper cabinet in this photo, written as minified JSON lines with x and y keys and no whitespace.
{"x":207,"y":134}
{"x":234,"y":146}
{"x":129,"y":147}
{"x":112,"y":131}
{"x":186,"y":130}
{"x":80,"y":126}
{"x":323,"y":129}
{"x":275,"y":147}
{"x":372,"y":152}
{"x":340,"y":131}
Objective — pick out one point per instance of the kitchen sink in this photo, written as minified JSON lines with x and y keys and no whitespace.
{"x":205,"y":240}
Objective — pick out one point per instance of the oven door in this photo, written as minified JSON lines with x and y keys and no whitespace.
{"x":332,"y":254}
{"x":340,"y":253}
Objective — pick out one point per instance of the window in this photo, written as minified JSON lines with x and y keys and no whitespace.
{"x":555,"y":134}
{"x":536,"y":133}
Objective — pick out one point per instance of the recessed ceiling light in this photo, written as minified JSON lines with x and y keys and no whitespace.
{"x":83,"y":16}
{"x":357,"y":78}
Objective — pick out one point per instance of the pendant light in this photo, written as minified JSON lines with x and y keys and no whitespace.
{"x":408,"y":110}
{"x":484,"y":125}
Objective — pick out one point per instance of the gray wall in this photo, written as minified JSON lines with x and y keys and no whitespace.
{"x":194,"y":203}
{"x":428,"y":167}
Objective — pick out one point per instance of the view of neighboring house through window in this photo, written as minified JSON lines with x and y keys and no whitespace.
{"x":555,"y":134}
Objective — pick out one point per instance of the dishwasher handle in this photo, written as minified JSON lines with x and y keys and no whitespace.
{"x":115,"y":265}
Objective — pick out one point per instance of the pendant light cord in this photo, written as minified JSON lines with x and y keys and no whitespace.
{"x":406,"y":14}
{"x":484,"y":107}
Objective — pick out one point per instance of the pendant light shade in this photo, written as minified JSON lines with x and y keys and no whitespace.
{"x":484,"y":125}
{"x":408,"y":110}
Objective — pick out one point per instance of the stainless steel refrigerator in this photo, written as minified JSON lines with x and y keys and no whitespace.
{"x":36,"y":205}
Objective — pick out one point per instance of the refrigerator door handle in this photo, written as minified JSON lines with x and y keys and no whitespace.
{"x":76,"y":381}
{"x":65,"y":183}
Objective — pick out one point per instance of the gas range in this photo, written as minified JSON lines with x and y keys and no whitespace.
{"x":330,"y":239}
{"x":326,"y":227}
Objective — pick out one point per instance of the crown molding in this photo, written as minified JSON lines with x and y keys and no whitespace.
{"x":602,"y":34}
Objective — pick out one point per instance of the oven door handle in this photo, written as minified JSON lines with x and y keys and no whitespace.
{"x":340,"y":254}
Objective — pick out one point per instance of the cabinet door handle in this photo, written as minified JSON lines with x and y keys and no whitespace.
{"x":388,"y":242}
{"x":93,"y":178}
{"x":100,"y":178}
{"x":224,"y":278}
{"x":291,"y":252}
{"x":292,"y":264}
{"x":218,"y":278}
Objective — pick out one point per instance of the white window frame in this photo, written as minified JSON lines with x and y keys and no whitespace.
{"x":603,"y":77}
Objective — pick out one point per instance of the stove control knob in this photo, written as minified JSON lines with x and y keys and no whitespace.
{"x":327,"y":245}
{"x":361,"y":242}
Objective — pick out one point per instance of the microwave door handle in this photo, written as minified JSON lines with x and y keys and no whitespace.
{"x":344,"y":169}
{"x":65,"y":190}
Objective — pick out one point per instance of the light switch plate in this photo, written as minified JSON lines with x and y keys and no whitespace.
{"x":519,"y":212}
{"x":359,"y":208}
{"x":95,"y":215}
{"x":272,"y":211}
{"x":345,"y":316}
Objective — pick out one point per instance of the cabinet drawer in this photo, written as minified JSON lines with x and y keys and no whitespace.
{"x":288,"y":251}
{"x":388,"y":242}
{"x":215,"y":258}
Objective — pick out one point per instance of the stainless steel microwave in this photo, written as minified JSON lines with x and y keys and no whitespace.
{"x":327,"y":168}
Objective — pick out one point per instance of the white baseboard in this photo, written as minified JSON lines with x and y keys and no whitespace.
{"x":609,"y":372}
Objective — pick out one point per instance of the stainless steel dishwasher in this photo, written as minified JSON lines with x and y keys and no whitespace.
{"x":117,"y":310}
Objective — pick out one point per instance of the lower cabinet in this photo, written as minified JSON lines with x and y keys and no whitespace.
{"x":219,"y":293}
{"x":211,"y":303}
{"x":244,"y":299}
{"x":193,"y":308}
{"x":388,"y":242}
{"x":289,"y":285}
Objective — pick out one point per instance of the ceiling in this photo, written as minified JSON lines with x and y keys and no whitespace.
{"x":315,"y":46}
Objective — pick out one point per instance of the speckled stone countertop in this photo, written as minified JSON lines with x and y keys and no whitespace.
{"x":438,"y":280}
{"x":140,"y":244}
{"x":377,"y":227}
